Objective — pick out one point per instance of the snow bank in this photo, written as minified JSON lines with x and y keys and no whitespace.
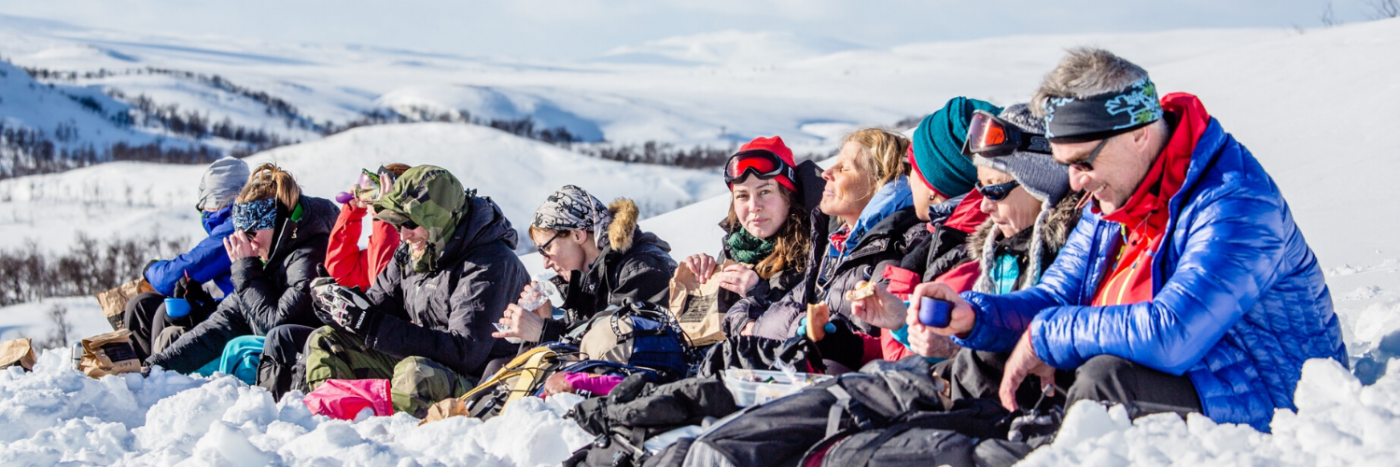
{"x":56,"y":415}
{"x":1339,"y":422}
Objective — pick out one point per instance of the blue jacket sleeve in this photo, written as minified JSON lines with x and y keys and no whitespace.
{"x":1232,"y":247}
{"x":205,"y":262}
{"x":1001,"y":319}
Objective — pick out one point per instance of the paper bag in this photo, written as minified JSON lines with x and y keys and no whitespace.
{"x":17,"y":352}
{"x":113,"y":301}
{"x":109,"y":354}
{"x":696,"y":306}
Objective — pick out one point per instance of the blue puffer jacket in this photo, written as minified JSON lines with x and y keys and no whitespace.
{"x":205,"y":262}
{"x":1239,"y":299}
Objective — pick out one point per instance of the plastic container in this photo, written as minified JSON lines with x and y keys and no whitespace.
{"x":751,"y":387}
{"x":177,"y":307}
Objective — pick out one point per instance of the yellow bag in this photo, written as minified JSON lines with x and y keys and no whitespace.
{"x":521,"y":377}
{"x":696,"y":306}
{"x":113,"y":301}
{"x":17,"y":352}
{"x":109,"y":354}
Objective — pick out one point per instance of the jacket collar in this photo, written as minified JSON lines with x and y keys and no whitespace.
{"x":891,"y":198}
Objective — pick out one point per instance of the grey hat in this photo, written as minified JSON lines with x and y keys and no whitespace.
{"x":1039,"y":174}
{"x":221,"y":183}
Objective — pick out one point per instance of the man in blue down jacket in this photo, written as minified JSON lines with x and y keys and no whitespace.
{"x":1186,"y":287}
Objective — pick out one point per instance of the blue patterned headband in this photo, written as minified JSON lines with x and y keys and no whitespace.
{"x":255,"y":215}
{"x":1076,"y":120}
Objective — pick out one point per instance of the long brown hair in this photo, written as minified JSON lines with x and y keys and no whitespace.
{"x":270,"y":181}
{"x":791,"y":242}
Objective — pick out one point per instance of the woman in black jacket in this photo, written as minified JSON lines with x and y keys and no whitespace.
{"x":602,"y":259}
{"x":766,"y":231}
{"x":279,"y":241}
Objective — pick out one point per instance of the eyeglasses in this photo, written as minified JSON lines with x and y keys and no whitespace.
{"x":408,"y":225}
{"x":997,"y":192}
{"x":763,"y":164}
{"x":545,"y":247}
{"x":989,"y":136}
{"x":1087,"y":165}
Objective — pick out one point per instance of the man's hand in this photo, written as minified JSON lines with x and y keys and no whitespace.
{"x":1022,"y":363}
{"x":737,"y":278}
{"x":881,"y":309}
{"x":962,"y":318}
{"x":521,"y":323}
{"x":342,"y":307}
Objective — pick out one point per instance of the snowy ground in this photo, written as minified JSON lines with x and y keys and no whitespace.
{"x":1315,"y":108}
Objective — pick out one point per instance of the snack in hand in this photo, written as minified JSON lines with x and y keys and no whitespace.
{"x":861,"y":293}
{"x":817,"y":317}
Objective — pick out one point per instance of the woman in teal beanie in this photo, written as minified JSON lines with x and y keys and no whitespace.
{"x":938,"y":146}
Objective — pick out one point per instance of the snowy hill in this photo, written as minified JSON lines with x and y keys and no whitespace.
{"x":1314,"y":108}
{"x":133,"y":199}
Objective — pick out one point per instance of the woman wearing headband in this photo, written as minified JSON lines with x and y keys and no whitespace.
{"x":602,"y":258}
{"x":279,"y":241}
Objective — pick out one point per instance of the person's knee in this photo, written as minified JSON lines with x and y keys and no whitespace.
{"x":1103,"y":368}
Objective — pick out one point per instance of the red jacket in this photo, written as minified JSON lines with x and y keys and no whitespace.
{"x":346,"y":262}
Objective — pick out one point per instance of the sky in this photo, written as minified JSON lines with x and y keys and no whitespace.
{"x":582,"y":29}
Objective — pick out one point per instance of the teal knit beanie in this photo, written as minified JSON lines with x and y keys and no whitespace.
{"x":938,"y":146}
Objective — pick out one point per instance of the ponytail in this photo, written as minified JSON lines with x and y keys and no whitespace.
{"x":269,"y":181}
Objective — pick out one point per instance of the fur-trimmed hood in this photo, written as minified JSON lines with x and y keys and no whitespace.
{"x":1054,"y":232}
{"x":624,"y":224}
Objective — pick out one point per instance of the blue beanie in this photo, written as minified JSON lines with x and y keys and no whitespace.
{"x":938,"y":147}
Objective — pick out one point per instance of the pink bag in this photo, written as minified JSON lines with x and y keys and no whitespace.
{"x":344,"y":398}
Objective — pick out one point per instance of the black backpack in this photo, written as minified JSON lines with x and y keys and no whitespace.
{"x":758,"y":353}
{"x":636,"y":410}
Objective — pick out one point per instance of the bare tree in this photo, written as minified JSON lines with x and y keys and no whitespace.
{"x":58,"y":336}
{"x":1384,"y":9}
{"x":1329,"y":19}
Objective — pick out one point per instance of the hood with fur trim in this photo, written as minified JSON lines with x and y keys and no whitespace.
{"x":1054,"y":233}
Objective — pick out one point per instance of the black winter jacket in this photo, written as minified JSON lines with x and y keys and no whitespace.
{"x":265,"y":295}
{"x":635,"y":265}
{"x":446,"y":315}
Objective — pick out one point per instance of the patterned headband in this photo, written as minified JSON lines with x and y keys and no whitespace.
{"x":255,"y":215}
{"x":1075,"y":120}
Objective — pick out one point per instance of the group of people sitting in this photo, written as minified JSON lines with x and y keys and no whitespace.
{"x":1100,"y":242}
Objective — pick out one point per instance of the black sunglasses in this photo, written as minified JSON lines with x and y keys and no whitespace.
{"x":408,"y":225}
{"x":997,"y":192}
{"x":1087,"y":165}
{"x":545,"y":246}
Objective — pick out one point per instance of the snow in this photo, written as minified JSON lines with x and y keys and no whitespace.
{"x":56,"y":415}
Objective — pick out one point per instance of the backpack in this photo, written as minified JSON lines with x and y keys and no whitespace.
{"x":759,"y":353}
{"x":639,"y":335}
{"x":637,"y":410}
{"x":523,"y":376}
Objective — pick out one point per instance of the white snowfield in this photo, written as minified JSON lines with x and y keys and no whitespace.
{"x":1317,"y":110}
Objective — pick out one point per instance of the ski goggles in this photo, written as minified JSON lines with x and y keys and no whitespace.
{"x":372,"y":185}
{"x":990,"y":136}
{"x":997,"y":192}
{"x":763,"y":164}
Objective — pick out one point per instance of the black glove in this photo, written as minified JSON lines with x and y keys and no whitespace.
{"x":342,"y":307}
{"x":201,"y":303}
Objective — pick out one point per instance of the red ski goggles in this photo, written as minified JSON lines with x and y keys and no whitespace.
{"x":763,"y":164}
{"x":989,"y":136}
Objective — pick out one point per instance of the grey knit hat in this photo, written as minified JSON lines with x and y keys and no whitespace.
{"x":1042,"y":177}
{"x":1039,"y":174}
{"x":221,"y":183}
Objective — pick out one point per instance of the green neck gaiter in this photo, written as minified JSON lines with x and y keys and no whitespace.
{"x":747,"y":248}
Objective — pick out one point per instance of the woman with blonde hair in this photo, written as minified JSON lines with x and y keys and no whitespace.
{"x":866,"y":222}
{"x":279,"y":241}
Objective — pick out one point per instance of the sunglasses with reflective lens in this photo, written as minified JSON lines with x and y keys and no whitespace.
{"x":1087,"y":165}
{"x":997,"y":192}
